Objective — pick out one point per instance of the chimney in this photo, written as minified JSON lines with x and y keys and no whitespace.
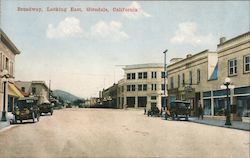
{"x":222,"y":40}
{"x":189,"y":55}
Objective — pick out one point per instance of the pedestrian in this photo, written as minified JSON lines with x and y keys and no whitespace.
{"x":145,"y":111}
{"x":200,"y":112}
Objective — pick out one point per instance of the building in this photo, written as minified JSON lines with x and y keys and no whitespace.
{"x":120,"y":94}
{"x":233,"y":62}
{"x":34,"y":88}
{"x":143,"y":86}
{"x":109,"y":96}
{"x":189,"y":76}
{"x":198,"y":78}
{"x":8,"y":51}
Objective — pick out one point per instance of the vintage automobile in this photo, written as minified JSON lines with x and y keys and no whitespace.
{"x":25,"y":109}
{"x":45,"y":106}
{"x":179,"y":109}
{"x":154,"y":111}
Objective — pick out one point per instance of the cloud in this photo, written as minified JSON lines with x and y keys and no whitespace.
{"x":140,"y":13}
{"x":69,"y":27}
{"x":187,"y":34}
{"x":108,"y":31}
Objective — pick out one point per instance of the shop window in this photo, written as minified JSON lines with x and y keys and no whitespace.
{"x":207,"y":107}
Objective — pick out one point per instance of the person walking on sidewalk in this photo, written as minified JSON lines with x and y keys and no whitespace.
{"x":200,"y":111}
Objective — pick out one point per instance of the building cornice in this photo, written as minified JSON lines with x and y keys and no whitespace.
{"x":142,"y":66}
{"x":234,"y":39}
{"x":189,"y":58}
{"x":4,"y":38}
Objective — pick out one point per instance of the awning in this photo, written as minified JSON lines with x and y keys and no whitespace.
{"x":13,"y":91}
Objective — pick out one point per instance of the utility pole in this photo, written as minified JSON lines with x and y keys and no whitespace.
{"x":165,"y":75}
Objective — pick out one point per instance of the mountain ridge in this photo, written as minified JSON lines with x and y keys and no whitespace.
{"x":64,"y":95}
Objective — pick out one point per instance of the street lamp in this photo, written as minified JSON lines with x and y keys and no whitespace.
{"x":227,"y":85}
{"x":165,"y":73}
{"x":5,"y":76}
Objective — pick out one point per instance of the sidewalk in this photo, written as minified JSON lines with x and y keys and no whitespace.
{"x":221,"y":123}
{"x":4,"y":124}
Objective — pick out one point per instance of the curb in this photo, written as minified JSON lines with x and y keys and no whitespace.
{"x":7,"y":128}
{"x":223,"y":126}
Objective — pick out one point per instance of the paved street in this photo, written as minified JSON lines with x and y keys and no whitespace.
{"x":120,"y":133}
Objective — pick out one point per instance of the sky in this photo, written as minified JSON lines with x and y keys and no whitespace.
{"x":83,"y":52}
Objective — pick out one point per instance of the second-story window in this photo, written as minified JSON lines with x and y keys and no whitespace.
{"x":232,"y":67}
{"x":1,"y":61}
{"x":6,"y":64}
{"x":183,"y":79}
{"x":171,"y":82}
{"x":198,"y":76}
{"x":133,"y":87}
{"x":139,"y":75}
{"x":33,"y":90}
{"x":153,"y":74}
{"x":133,"y":76}
{"x":163,"y":87}
{"x":128,"y":76}
{"x":23,"y":89}
{"x":162,"y":74}
{"x":190,"y":78}
{"x":179,"y":81}
{"x":153,"y":87}
{"x":145,"y":87}
{"x":140,"y":87}
{"x":246,"y":63}
{"x":145,"y":75}
{"x":128,"y":88}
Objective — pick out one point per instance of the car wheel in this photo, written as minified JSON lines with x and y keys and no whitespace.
{"x":173,"y":116}
{"x":33,"y":117}
{"x":15,"y":119}
{"x":38,"y":117}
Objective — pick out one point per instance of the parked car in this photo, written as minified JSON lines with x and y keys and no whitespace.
{"x":179,"y":109}
{"x":154,"y":111}
{"x":25,"y":109}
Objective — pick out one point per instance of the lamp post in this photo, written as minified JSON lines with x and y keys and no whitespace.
{"x":5,"y":76}
{"x":227,"y":85}
{"x":165,"y":74}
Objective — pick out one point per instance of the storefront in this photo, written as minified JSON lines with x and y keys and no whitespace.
{"x":13,"y":95}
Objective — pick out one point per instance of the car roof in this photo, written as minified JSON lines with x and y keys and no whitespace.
{"x":180,"y":101}
{"x":28,"y":98}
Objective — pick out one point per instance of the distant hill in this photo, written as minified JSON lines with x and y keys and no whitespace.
{"x":65,"y":96}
